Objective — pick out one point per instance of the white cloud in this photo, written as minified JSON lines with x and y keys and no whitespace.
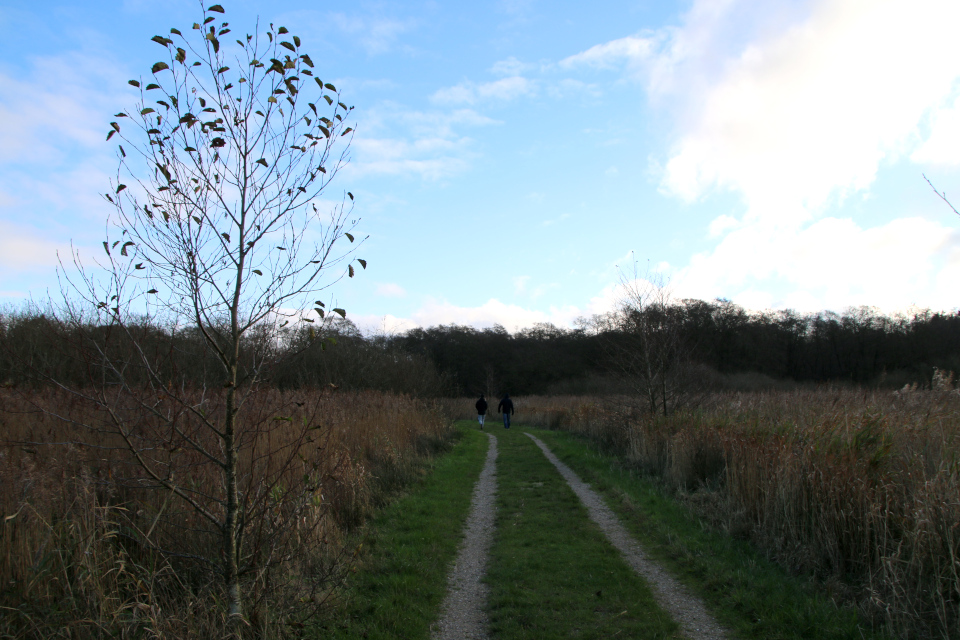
{"x":388,"y":324}
{"x":463,"y":93}
{"x":492,"y":312}
{"x":63,"y":104}
{"x":942,"y":146}
{"x":394,"y":140}
{"x":72,"y":196}
{"x":832,"y":263}
{"x":816,"y":108}
{"x":685,"y":59}
{"x":502,"y":90}
{"x":388,"y":117}
{"x":793,"y":110}
{"x":514,"y":86}
{"x":54,"y":158}
{"x":518,"y":12}
{"x":561,"y":218}
{"x":376,"y":34}
{"x":511,"y":67}
{"x":795,"y":101}
{"x":568,"y":87}
{"x":611,"y":55}
{"x":721,"y":224}
{"x":399,"y":157}
{"x":390,"y":290}
{"x":8,"y":200}
{"x":24,"y":249}
{"x":543,"y":289}
{"x":536,"y":197}
{"x":513,"y":317}
{"x":520,"y":284}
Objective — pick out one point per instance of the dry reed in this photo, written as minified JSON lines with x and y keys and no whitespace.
{"x":90,"y":552}
{"x":861,"y":489}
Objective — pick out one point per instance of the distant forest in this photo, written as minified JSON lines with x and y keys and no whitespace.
{"x":728,"y":347}
{"x":734,"y":349}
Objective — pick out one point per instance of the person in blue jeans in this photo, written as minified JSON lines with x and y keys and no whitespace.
{"x":506,"y":408}
{"x":481,"y":409}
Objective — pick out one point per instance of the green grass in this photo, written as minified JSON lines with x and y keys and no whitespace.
{"x":552,"y":574}
{"x":408,"y":550}
{"x":748,"y":594}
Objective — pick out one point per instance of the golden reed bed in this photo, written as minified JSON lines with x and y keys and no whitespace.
{"x":860,"y":488}
{"x":91,"y":550}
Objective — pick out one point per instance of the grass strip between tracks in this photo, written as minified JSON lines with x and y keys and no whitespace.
{"x":552,"y":573}
{"x":750,"y":595}
{"x":408,"y":550}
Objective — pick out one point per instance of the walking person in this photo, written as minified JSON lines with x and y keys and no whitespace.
{"x":506,"y":408}
{"x":481,"y":410}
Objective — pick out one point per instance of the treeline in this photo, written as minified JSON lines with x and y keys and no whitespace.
{"x":730,"y":345}
{"x":538,"y":360}
{"x":37,"y":347}
{"x":860,"y":345}
{"x":723,"y":341}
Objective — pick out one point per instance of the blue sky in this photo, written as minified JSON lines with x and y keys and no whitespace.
{"x":510,"y":155}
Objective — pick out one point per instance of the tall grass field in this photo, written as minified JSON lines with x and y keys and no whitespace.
{"x":860,"y":489}
{"x":91,"y":550}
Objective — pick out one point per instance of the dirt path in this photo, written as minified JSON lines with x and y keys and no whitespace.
{"x":688,"y":610}
{"x":463,"y":614}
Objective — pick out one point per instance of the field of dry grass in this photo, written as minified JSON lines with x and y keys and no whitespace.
{"x":859,"y":488}
{"x":91,"y":549}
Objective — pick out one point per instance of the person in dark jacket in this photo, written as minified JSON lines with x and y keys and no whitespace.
{"x":481,"y":409}
{"x":506,"y":408}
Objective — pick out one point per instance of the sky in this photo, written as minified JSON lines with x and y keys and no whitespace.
{"x":513,"y":158}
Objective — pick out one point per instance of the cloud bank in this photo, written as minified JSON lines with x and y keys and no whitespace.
{"x":797,"y":111}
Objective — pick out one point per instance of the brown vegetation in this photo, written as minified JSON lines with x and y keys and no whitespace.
{"x":861,"y":489}
{"x":92,"y":548}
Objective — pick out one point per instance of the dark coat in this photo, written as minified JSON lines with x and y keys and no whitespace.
{"x":481,"y":407}
{"x":505,"y":406}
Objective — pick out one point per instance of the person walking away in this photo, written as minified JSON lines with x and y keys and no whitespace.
{"x":481,"y":410}
{"x":506,"y":409}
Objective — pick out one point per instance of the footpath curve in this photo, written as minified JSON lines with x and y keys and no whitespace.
{"x":687,"y":609}
{"x":463,"y":614}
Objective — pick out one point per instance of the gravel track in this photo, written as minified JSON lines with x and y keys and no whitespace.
{"x":463,"y":615}
{"x":688,"y":610}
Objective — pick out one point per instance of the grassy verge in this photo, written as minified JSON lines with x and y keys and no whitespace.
{"x":408,"y":549}
{"x":747,"y":593}
{"x":552,"y":574}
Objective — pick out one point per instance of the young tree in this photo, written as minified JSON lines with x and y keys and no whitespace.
{"x":219,"y":235}
{"x":645,"y":341}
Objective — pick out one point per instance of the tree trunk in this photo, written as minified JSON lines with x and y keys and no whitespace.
{"x":230,"y":538}
{"x":663,"y":393}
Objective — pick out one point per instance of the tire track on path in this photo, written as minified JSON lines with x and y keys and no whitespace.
{"x":687,"y":609}
{"x":463,"y":611}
